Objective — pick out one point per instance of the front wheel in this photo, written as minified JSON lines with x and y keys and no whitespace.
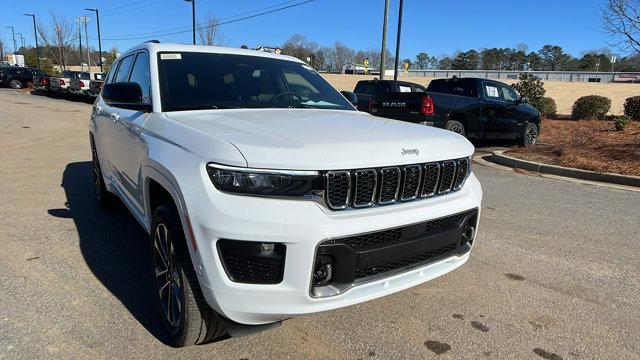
{"x":455,"y":126}
{"x":186,"y":316}
{"x":529,"y":135}
{"x":15,"y":84}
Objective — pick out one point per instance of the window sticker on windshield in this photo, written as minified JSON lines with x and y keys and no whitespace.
{"x":170,"y":56}
{"x":492,"y":91}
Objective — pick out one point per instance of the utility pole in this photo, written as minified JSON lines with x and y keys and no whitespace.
{"x":193,"y":15}
{"x":99,"y":39}
{"x":79,"y":21}
{"x":21,"y":42}
{"x":86,"y":37}
{"x":383,"y":52}
{"x":395,"y":70}
{"x":13,"y":35}
{"x":35,"y":34}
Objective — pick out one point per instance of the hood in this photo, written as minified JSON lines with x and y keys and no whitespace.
{"x":310,"y":139}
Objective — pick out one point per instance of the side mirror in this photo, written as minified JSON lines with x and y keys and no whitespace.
{"x":522,"y":100}
{"x":126,"y":95}
{"x":353,"y":98}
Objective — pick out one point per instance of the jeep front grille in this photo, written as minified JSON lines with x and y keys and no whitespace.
{"x":367,"y":187}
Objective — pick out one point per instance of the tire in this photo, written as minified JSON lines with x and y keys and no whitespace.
{"x":176,"y":283}
{"x":15,"y":84}
{"x":104,"y":199}
{"x":529,"y":135}
{"x":455,"y":126}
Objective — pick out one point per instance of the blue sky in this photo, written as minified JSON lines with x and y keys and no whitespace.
{"x":436,"y":27}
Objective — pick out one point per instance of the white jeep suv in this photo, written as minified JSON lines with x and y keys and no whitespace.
{"x":266,"y":195}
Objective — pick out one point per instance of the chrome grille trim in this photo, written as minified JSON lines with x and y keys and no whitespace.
{"x":434,"y":179}
{"x":461,"y":177}
{"x":445,"y":186}
{"x":344,"y":205}
{"x":414,"y":193}
{"x":395,"y":196}
{"x":428,"y":192}
{"x":373,"y":192}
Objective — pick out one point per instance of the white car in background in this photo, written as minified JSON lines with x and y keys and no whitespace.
{"x":59,"y":85}
{"x":266,"y":194}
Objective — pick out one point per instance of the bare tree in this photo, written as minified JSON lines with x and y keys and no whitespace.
{"x":57,"y":39}
{"x":298,"y":46}
{"x":209,"y":31}
{"x":621,"y":19}
{"x":343,"y":54}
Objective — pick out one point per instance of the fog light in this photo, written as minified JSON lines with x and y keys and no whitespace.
{"x":469,"y":234}
{"x":323,"y":271}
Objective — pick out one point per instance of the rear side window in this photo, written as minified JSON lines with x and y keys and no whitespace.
{"x":491,"y":91}
{"x":141,"y":75}
{"x":123,"y":70}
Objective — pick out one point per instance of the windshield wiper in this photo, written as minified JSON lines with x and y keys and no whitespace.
{"x":295,"y":106}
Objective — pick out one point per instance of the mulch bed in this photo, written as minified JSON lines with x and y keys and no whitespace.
{"x":586,"y":144}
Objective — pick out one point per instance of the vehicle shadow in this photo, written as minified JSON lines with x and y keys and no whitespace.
{"x":114,"y":247}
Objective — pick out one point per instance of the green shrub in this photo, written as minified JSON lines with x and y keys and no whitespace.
{"x":632,"y":107}
{"x":591,"y":107}
{"x":548,"y":107}
{"x":532,"y":87}
{"x":621,"y":122}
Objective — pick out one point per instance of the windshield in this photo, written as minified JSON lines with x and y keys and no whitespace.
{"x":191,"y":81}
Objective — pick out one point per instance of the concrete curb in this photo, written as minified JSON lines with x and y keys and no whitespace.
{"x":499,"y":157}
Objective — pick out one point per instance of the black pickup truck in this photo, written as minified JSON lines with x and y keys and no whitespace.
{"x":475,"y":108}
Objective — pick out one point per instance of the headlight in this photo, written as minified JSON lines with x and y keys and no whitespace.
{"x":264,"y":182}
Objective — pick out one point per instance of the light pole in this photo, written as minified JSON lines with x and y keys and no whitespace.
{"x":613,"y":62}
{"x":193,"y":15}
{"x":383,"y":52}
{"x":395,"y":70}
{"x":35,"y":34}
{"x":99,"y":40}
{"x":13,"y":35}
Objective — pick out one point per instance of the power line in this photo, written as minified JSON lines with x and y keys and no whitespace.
{"x":134,"y":9}
{"x":137,"y":16}
{"x":219,"y":24}
{"x":123,"y":6}
{"x":144,"y":34}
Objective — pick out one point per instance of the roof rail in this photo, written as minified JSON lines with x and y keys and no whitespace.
{"x":152,"y":41}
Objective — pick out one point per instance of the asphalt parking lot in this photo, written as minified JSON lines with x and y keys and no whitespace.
{"x":555,"y":273}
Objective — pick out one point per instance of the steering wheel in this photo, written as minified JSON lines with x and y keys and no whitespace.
{"x":273,"y":99}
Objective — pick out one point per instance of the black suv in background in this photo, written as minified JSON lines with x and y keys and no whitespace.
{"x":473,"y":107}
{"x":17,"y":77}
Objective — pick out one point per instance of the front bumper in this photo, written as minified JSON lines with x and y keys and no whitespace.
{"x":302,"y":225}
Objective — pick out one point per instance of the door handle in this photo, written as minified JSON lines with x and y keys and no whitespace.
{"x":115,"y":117}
